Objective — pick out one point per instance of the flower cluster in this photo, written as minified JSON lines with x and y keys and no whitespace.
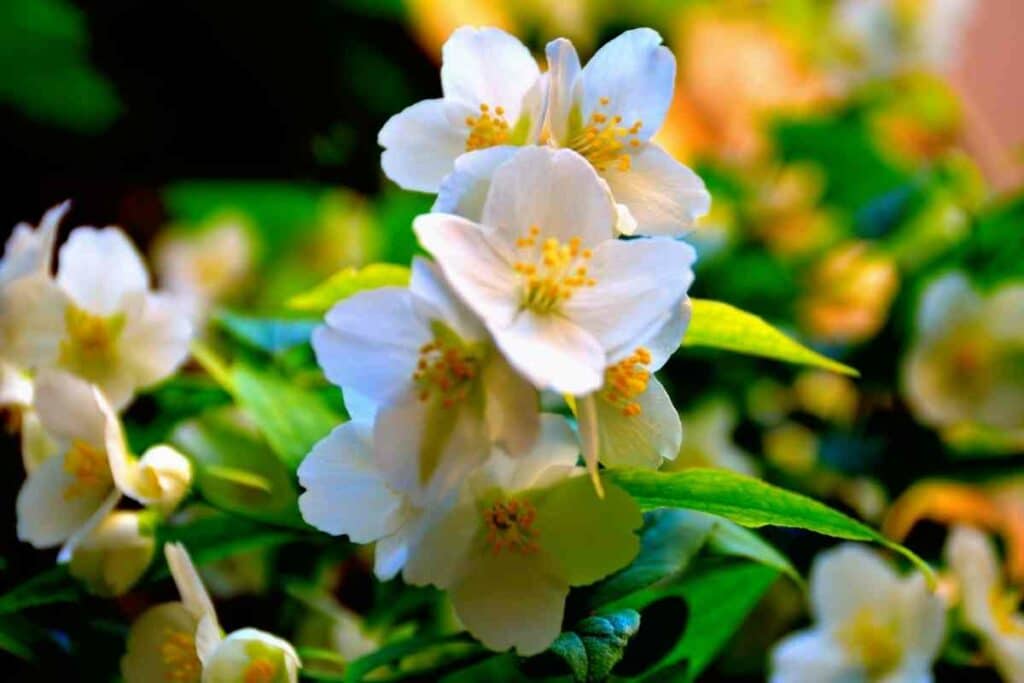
{"x":448,"y":464}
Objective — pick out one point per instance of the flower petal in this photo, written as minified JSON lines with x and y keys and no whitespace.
{"x":510,"y":600}
{"x":421,"y":144}
{"x":155,"y":342}
{"x":849,"y":578}
{"x":531,"y":190}
{"x":472,"y":264}
{"x":552,"y":353}
{"x":637,"y":284}
{"x":464,"y":190}
{"x":664,"y":197}
{"x":588,"y":537}
{"x":487,"y":66}
{"x":810,"y":656}
{"x":563,"y":70}
{"x":68,"y":408}
{"x":371,"y":343}
{"x":31,"y":321}
{"x":46,"y":516}
{"x":99,"y":267}
{"x":641,"y":440}
{"x":637,"y":74}
{"x":144,"y":660}
{"x":29,"y":250}
{"x":249,"y":652}
{"x":434,"y":298}
{"x":510,"y":406}
{"x":345,"y":494}
{"x":193,"y":593}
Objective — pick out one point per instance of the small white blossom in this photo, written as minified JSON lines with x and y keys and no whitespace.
{"x":870,"y":624}
{"x":114,"y":556}
{"x":493,"y":95}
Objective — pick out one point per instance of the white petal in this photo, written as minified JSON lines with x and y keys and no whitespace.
{"x":112,"y":558}
{"x":850,"y":578}
{"x":637,"y":75}
{"x":472,"y":264}
{"x":553,"y":353}
{"x":421,"y":144}
{"x":563,"y":70}
{"x":371,"y":343}
{"x":15,"y":386}
{"x":465,"y":189}
{"x":46,"y":516}
{"x":360,"y":408}
{"x":193,"y":593}
{"x":809,"y":656}
{"x":948,"y":300}
{"x":37,"y":445}
{"x":509,"y":601}
{"x":30,"y":250}
{"x":165,"y":475}
{"x":144,"y":660}
{"x":641,"y":440}
{"x":345,"y":494}
{"x":31,"y":322}
{"x":664,"y":196}
{"x":554,"y":454}
{"x":155,"y":342}
{"x":923,"y":620}
{"x":531,"y":189}
{"x":95,"y":520}
{"x":638,"y":282}
{"x":390,"y":555}
{"x":68,"y":408}
{"x":438,"y":553}
{"x":236,"y":656}
{"x":510,"y":406}
{"x":487,"y":66}
{"x":98,"y":268}
{"x":971,"y":556}
{"x":666,"y":337}
{"x":435,"y":300}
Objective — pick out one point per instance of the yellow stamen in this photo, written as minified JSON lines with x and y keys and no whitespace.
{"x":510,"y":527}
{"x":487,"y":129}
{"x":605,"y":142}
{"x":260,"y":670}
{"x":90,"y":344}
{"x":178,"y":652}
{"x":873,"y":640}
{"x":88,"y":465}
{"x":551,"y":272}
{"x":627,"y":379}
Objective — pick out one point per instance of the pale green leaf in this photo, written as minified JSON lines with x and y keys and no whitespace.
{"x":729,"y":538}
{"x":749,"y":502}
{"x":272,"y":335}
{"x":347,"y":282}
{"x":720,"y":326}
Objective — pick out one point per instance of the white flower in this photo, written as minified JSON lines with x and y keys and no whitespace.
{"x":16,"y":393}
{"x":523,"y":532}
{"x":114,"y":556}
{"x":562,"y":297}
{"x":67,"y":496}
{"x":203,"y":267}
{"x":965,"y":364}
{"x":183,"y":641}
{"x":990,"y":608}
{"x":608,"y":110}
{"x":423,"y":364}
{"x":347,"y":493}
{"x":870,"y":625}
{"x":493,"y":95}
{"x":98,"y":320}
{"x":28,"y":251}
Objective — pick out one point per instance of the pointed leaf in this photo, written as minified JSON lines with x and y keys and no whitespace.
{"x":347,"y":282}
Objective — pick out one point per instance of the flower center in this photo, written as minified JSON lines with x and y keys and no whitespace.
{"x":179,"y":654}
{"x":510,"y":527}
{"x":88,"y":466}
{"x":873,"y":641}
{"x":488,"y":129}
{"x":550,"y":271}
{"x":91,"y":341}
{"x":446,"y":367}
{"x":1004,"y":610}
{"x":260,"y":670}
{"x":605,"y":142}
{"x":627,"y":379}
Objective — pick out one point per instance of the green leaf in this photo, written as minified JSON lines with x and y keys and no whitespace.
{"x":721,"y":326}
{"x":596,"y":644}
{"x":214,"y":535}
{"x":728,"y":538}
{"x":293,"y":419}
{"x":669,"y":539}
{"x":271,"y":335}
{"x":347,"y":282}
{"x":714,"y":604}
{"x":52,"y":586}
{"x":390,"y":657}
{"x":749,"y":502}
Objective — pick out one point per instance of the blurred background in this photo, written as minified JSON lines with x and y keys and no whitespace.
{"x":858,"y":152}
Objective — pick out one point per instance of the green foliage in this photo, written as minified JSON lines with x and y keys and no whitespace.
{"x":721,"y":326}
{"x":272,"y":335}
{"x":728,"y":538}
{"x":44,"y":69}
{"x":347,"y":282}
{"x":52,"y":586}
{"x":747,"y":501}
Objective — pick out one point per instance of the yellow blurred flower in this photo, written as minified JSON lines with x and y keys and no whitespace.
{"x":827,"y":395}
{"x":849,"y":294}
{"x":792,"y":447}
{"x":787,"y":214}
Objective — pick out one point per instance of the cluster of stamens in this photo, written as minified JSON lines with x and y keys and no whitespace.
{"x":605,"y":141}
{"x":1005,"y":606}
{"x":179,"y":654}
{"x":91,"y":339}
{"x":510,"y":527}
{"x":447,"y":368}
{"x":260,"y":670}
{"x":627,"y":379}
{"x":89,"y":468}
{"x":488,"y":129}
{"x":553,"y":273}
